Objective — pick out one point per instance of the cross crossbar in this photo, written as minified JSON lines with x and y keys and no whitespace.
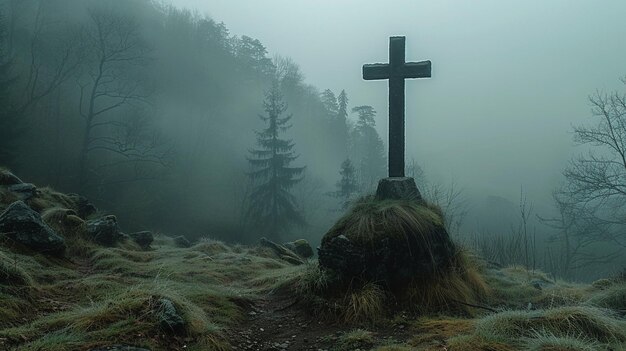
{"x":397,"y":70}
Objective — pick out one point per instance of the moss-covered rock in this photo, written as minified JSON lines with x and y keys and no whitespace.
{"x":300,"y":247}
{"x":23,"y":226}
{"x":391,"y":241}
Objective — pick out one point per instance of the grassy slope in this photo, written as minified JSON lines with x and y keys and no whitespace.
{"x":103,"y":296}
{"x":110,"y":296}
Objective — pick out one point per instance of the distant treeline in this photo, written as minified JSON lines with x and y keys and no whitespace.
{"x":150,"y":111}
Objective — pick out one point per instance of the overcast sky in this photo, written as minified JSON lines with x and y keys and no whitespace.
{"x":509,"y":77}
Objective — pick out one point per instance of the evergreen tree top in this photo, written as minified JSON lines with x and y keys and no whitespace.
{"x":366,"y":116}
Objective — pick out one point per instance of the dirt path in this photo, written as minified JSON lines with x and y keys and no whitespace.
{"x":277,"y":323}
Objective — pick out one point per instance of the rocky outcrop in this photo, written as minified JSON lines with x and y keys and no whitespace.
{"x":169,"y":319}
{"x":7,"y":178}
{"x":84,"y":208}
{"x":24,"y":191}
{"x":181,"y":241}
{"x":21,"y":224}
{"x":104,"y":230}
{"x":301,"y":247}
{"x":282,"y":252}
{"x":143,"y":239}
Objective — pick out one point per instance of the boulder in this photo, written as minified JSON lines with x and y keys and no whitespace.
{"x":540,"y":284}
{"x":301,"y":247}
{"x":340,"y":254}
{"x":24,"y":191}
{"x":282,"y":252}
{"x":8,"y":178}
{"x":398,"y":188}
{"x":104,"y":230}
{"x":24,"y":226}
{"x":602,"y":283}
{"x":84,"y":208}
{"x":144,"y":239}
{"x":181,"y":241}
{"x":392,"y":242}
{"x":169,"y":319}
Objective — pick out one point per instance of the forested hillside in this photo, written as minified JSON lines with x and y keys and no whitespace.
{"x":150,"y":111}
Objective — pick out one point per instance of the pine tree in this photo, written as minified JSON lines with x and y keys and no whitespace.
{"x":347,"y":186}
{"x":368,"y":147}
{"x":329,"y":100}
{"x":336,"y":119}
{"x":342,"y":120}
{"x":272,"y":207}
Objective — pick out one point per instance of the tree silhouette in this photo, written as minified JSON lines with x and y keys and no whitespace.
{"x":272,"y":207}
{"x":347,"y":186}
{"x":367,"y":146}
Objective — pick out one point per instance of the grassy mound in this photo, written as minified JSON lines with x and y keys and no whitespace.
{"x":613,"y":297}
{"x":454,"y":292}
{"x":457,"y":289}
{"x":394,"y":254}
{"x":584,"y":322}
{"x":356,"y":339}
{"x":550,"y":342}
{"x":128,"y":316}
{"x":11,"y":272}
{"x":370,"y":221}
{"x":111,"y":296}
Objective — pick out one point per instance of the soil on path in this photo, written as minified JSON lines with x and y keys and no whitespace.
{"x":278,"y":322}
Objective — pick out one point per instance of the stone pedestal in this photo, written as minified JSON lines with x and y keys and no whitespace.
{"x":398,"y":188}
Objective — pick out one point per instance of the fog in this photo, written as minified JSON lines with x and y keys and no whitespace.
{"x":165,"y":113}
{"x":509,"y":78}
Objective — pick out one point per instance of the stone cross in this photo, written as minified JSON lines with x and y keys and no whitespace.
{"x":397,"y":70}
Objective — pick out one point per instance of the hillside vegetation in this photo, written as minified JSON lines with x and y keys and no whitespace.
{"x":215,"y":296}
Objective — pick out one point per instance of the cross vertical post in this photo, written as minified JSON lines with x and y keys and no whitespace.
{"x":397,"y":70}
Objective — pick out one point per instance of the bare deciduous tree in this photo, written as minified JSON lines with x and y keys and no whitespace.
{"x":111,"y":93}
{"x":54,"y":56}
{"x":578,"y":230}
{"x":596,"y":181}
{"x":51,"y":56}
{"x":591,"y":206}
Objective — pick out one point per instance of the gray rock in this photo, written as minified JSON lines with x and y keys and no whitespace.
{"x":301,"y":247}
{"x":169,"y":319}
{"x":144,"y":238}
{"x":84,"y":207}
{"x":23,"y":225}
{"x":8,"y":178}
{"x":181,"y":241}
{"x":282,"y":252}
{"x":398,"y":188}
{"x":25,"y":191}
{"x":290,"y":245}
{"x":104,"y":231}
{"x":540,"y":284}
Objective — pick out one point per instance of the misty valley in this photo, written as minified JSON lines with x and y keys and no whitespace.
{"x":352,"y":179}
